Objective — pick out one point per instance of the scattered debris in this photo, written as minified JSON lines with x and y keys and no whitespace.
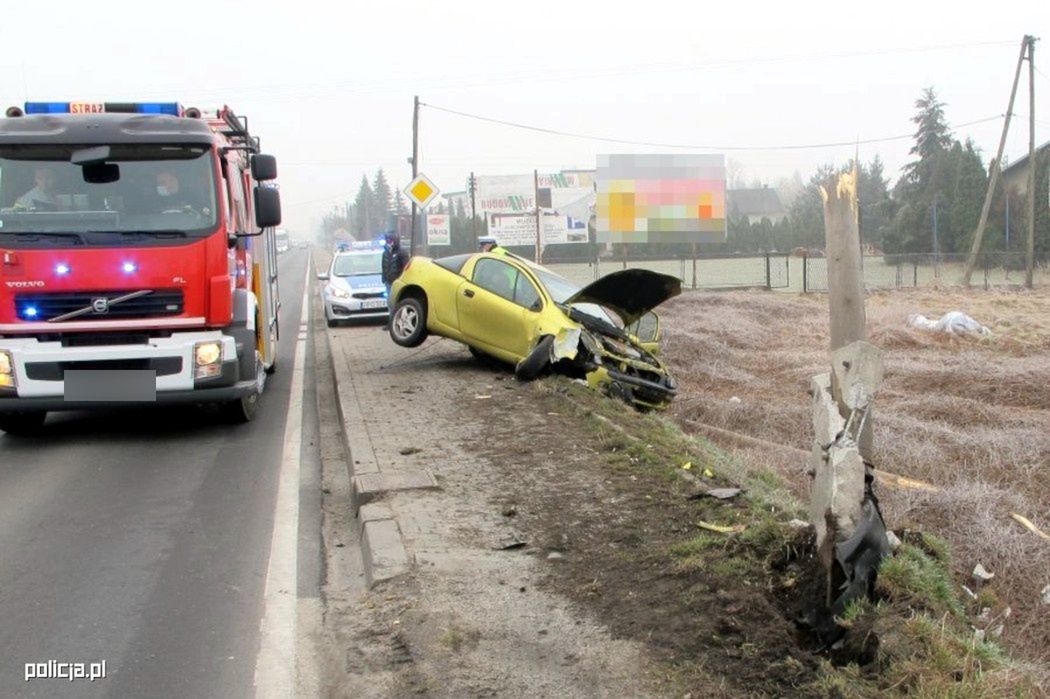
{"x":510,"y":542}
{"x":981,"y":575}
{"x":509,"y":511}
{"x":708,"y":473}
{"x":482,"y":397}
{"x":1027,"y":523}
{"x":969,"y":593}
{"x":734,"y":400}
{"x":952,"y":323}
{"x":721,"y":528}
{"x":555,"y":556}
{"x":798,"y":523}
{"x":724,"y":493}
{"x":893,"y":539}
{"x":892,"y":479}
{"x":1046,"y":594}
{"x":687,"y":465}
{"x":408,"y":451}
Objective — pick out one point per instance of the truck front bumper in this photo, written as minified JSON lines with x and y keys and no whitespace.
{"x":39,"y":371}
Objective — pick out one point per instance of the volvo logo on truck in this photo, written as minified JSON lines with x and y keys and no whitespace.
{"x":100,"y":305}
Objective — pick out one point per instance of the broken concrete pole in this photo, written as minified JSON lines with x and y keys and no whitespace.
{"x":851,"y":535}
{"x":856,"y":374}
{"x":837,"y":498}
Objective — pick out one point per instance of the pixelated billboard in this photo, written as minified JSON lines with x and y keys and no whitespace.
{"x":661,"y":199}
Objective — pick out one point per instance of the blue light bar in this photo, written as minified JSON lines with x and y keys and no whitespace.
{"x":47,"y":107}
{"x":29,"y":312}
{"x":171,"y":108}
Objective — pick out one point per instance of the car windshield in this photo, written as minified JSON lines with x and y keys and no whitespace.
{"x":358,"y":264}
{"x":561,"y":289}
{"x":139,"y":189}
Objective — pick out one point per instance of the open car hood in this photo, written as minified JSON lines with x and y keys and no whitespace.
{"x":630,"y":293}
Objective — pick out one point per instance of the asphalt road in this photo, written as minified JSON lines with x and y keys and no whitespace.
{"x":142,"y":538}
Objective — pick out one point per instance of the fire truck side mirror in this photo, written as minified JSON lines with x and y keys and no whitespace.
{"x":267,"y":207}
{"x":264,"y":167}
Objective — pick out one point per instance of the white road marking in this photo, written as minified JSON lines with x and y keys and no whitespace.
{"x":275,"y":666}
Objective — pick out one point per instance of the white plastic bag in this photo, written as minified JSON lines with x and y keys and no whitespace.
{"x":953,"y":323}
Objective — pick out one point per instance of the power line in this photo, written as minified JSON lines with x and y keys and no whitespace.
{"x":624,"y":141}
{"x":396,"y":83}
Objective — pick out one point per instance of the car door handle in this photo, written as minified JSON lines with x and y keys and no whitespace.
{"x":469,"y":293}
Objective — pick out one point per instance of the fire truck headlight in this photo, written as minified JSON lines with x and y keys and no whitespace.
{"x":207,"y":358}
{"x":7,"y":370}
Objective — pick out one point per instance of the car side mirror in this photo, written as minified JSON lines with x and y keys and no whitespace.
{"x":323,"y":276}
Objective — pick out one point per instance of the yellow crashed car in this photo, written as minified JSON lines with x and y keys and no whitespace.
{"x":504,"y":306}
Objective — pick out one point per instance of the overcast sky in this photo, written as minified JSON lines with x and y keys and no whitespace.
{"x":328,"y":86}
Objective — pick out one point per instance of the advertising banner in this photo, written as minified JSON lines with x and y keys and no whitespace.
{"x":509,"y":194}
{"x":439,"y":229}
{"x":516,"y":229}
{"x":661,"y":199}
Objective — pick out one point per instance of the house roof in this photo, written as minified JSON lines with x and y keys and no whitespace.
{"x":754,"y":202}
{"x":1023,"y":162}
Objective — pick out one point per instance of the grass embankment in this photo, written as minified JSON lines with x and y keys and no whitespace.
{"x":719,"y":587}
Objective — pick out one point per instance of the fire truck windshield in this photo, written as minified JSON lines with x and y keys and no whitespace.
{"x":140,"y":189}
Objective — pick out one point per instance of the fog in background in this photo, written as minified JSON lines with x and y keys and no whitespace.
{"x":328,"y":86}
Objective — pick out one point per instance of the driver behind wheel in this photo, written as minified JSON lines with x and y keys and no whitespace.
{"x":172,"y":196}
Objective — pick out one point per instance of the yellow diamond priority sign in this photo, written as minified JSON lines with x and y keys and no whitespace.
{"x":421,"y":191}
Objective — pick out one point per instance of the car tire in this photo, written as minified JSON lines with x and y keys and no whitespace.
{"x":537,"y":360}
{"x":22,"y":424}
{"x":331,"y":322}
{"x":620,"y":391}
{"x":478,"y":354}
{"x":408,"y":324}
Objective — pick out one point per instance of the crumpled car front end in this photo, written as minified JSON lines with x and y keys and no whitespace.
{"x":617,"y":364}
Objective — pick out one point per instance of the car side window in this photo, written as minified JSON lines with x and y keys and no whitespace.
{"x":525,"y":294}
{"x":497,"y":277}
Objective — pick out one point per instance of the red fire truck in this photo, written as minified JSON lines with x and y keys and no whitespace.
{"x":137,"y":260}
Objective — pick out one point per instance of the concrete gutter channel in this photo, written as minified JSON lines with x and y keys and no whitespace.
{"x":382,"y":549}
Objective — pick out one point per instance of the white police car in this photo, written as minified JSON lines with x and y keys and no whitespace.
{"x":355,"y":284}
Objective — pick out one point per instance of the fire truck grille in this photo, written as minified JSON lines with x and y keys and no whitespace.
{"x":55,"y":371}
{"x":44,"y":307}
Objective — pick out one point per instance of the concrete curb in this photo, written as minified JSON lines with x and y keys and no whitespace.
{"x":382,"y":549}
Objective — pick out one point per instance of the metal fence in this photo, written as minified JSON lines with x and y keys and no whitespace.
{"x":993,"y":269}
{"x":704,"y":271}
{"x":809,"y":273}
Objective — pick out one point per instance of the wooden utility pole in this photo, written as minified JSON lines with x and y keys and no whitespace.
{"x":971,"y":261}
{"x":1029,"y":251}
{"x":415,"y":167}
{"x":539,"y":227}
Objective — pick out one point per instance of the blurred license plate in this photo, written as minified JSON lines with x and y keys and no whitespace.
{"x":110,"y":386}
{"x":373,"y":303}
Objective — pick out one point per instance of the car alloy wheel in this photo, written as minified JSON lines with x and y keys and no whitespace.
{"x":406,"y":320}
